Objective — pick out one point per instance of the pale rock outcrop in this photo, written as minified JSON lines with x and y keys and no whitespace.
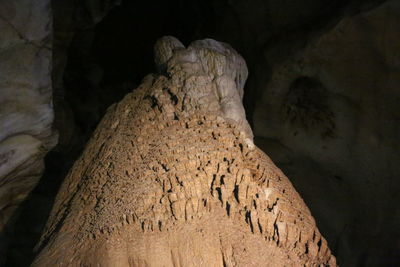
{"x":168,"y":180}
{"x":216,"y":61}
{"x":26,"y":112}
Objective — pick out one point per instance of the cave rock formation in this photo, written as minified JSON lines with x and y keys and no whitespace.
{"x":171,"y":177}
{"x":26,"y":112}
{"x":329,"y":115}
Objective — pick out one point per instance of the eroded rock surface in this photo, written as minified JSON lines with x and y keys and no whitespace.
{"x":329,"y":116}
{"x":171,"y":178}
{"x":26,"y":112}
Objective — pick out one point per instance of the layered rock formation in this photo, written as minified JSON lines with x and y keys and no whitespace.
{"x":26,"y":112}
{"x":171,"y":178}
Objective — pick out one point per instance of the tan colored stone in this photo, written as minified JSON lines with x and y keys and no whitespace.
{"x":198,"y":195}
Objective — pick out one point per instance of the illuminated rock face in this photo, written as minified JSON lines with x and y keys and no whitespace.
{"x":171,"y":178}
{"x":26,"y":113}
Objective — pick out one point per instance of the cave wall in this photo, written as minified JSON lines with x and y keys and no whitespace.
{"x":76,"y":89}
{"x":40,"y":35}
{"x":26,"y":112}
{"x":329,"y":118}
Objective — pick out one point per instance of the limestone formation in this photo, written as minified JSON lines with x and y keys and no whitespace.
{"x":26,"y":112}
{"x":171,"y":178}
{"x":330,"y":116}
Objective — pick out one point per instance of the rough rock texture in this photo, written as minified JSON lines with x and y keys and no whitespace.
{"x":26,"y":112}
{"x":330,"y":118}
{"x":170,"y":178}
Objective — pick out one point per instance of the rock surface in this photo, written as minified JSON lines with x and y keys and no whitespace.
{"x":329,"y":117}
{"x":26,"y":112}
{"x":170,"y":178}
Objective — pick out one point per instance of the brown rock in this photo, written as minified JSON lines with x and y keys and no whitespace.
{"x":178,"y":182}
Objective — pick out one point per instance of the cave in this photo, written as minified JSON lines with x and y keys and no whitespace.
{"x":321,"y":99}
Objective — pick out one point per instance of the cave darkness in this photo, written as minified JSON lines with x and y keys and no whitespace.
{"x":107,"y":58}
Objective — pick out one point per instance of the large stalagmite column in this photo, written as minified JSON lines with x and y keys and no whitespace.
{"x":171,"y":177}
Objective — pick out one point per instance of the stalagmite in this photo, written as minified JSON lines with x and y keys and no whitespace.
{"x":171,"y":177}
